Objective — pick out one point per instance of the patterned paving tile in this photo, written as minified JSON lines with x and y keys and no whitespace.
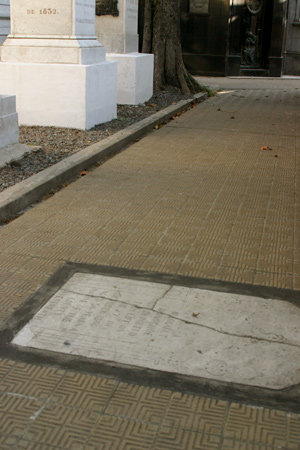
{"x":114,"y":433}
{"x":5,"y":366}
{"x":229,"y":444}
{"x":16,"y":412}
{"x":257,"y":425}
{"x":8,"y":442}
{"x":176,"y":438}
{"x":206,"y":204}
{"x":31,"y":381}
{"x":293,"y":432}
{"x":63,"y":427}
{"x":23,"y":444}
{"x":144,"y":404}
{"x":90,"y":393}
{"x":199,"y":414}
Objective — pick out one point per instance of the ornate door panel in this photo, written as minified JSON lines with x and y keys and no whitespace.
{"x":256,"y":34}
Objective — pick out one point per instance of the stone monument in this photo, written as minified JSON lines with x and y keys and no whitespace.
{"x":4,"y":20}
{"x":118,"y":33}
{"x":56,"y":67}
{"x":9,"y":128}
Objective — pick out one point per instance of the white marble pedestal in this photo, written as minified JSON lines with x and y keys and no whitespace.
{"x":62,"y":95}
{"x":56,"y":67}
{"x":135,"y":77}
{"x":135,"y":70}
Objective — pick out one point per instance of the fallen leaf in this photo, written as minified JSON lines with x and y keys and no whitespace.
{"x":176,"y":116}
{"x":266,"y":147}
{"x":83,"y":173}
{"x":195,"y":314}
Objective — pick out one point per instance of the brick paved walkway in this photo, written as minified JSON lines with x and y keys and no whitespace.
{"x":197,"y":197}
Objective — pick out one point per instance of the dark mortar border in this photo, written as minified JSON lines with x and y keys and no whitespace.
{"x":285,"y":399}
{"x":16,"y":198}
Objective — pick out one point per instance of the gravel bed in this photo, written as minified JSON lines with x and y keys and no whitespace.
{"x":58,"y":143}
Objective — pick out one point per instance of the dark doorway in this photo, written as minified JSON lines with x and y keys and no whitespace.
{"x":231,"y":37}
{"x":256,"y":37}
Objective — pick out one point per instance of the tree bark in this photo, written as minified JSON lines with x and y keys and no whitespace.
{"x":162,"y":38}
{"x":147,"y":32}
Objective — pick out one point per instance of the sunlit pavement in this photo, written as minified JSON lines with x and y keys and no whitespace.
{"x":213,"y":195}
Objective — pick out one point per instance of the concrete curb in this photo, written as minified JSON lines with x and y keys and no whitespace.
{"x":18,"y":197}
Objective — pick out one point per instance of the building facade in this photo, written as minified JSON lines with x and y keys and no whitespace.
{"x":240,"y":37}
{"x":230,"y":37}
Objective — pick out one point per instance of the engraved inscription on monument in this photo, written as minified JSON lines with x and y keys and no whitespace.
{"x":171,"y":328}
{"x":199,"y":6}
{"x":36,"y":18}
{"x":84,"y":17}
{"x":43,"y":11}
{"x":107,"y":8}
{"x":53,"y":18}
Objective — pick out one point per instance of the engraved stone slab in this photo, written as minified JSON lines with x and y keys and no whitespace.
{"x":107,"y":8}
{"x":189,"y":331}
{"x":199,"y":6}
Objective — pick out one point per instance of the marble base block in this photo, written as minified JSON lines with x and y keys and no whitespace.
{"x":62,"y":95}
{"x":9,"y":128}
{"x":119,"y":42}
{"x":135,"y":77}
{"x":53,"y":51}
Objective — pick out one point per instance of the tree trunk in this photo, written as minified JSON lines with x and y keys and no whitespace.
{"x":162,"y":38}
{"x":147,"y":32}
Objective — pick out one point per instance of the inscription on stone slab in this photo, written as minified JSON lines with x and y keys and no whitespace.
{"x":199,"y":6}
{"x":107,"y":8}
{"x":220,"y":336}
{"x":84,"y":17}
